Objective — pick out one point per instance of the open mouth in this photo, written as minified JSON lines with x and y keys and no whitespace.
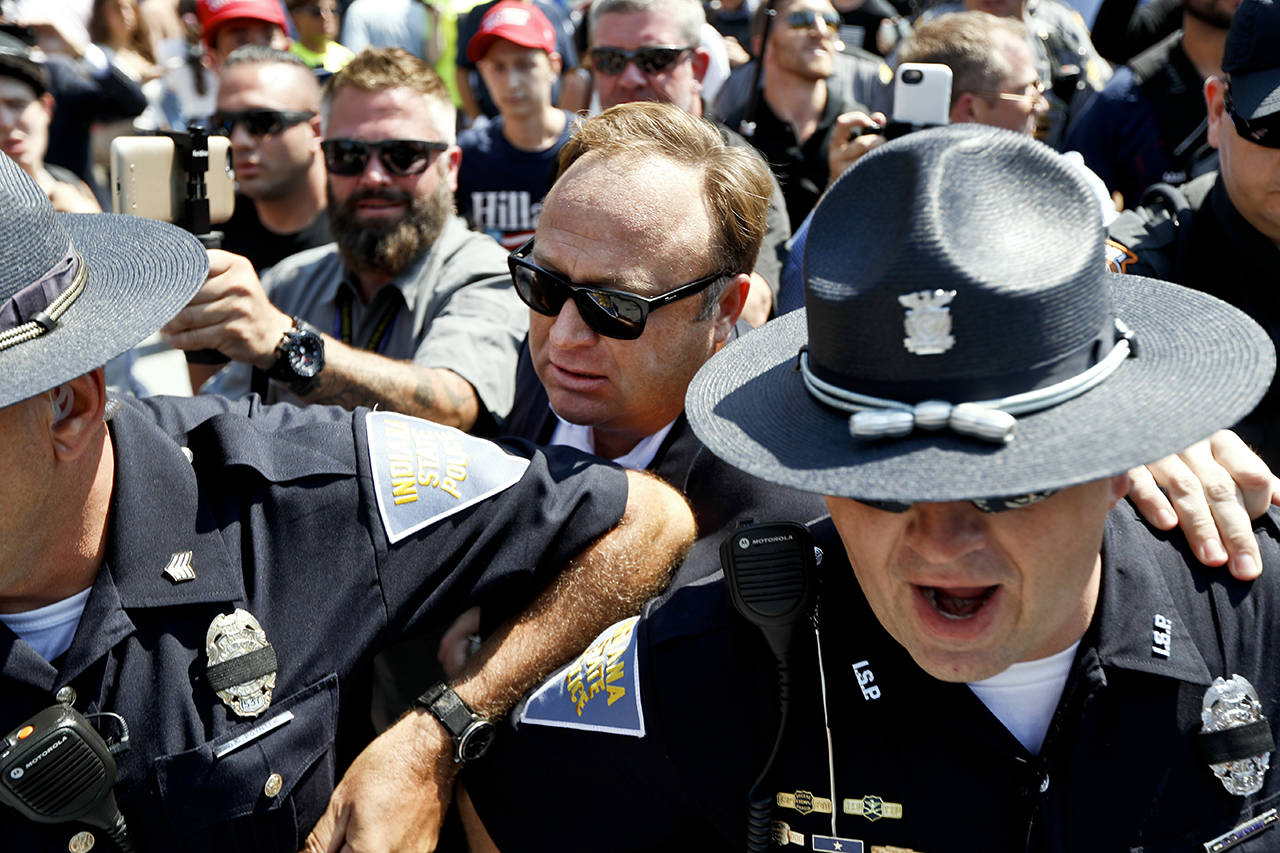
{"x":958,"y":602}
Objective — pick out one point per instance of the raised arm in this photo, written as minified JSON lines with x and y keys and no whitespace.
{"x":394,"y":796}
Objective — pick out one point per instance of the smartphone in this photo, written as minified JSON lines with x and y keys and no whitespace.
{"x":146,"y":180}
{"x":922,"y":93}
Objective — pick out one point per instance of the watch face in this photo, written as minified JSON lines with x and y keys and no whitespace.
{"x":306,"y":354}
{"x":476,"y":739}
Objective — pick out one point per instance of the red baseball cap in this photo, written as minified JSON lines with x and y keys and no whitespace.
{"x":214,"y":13}
{"x":519,"y":23}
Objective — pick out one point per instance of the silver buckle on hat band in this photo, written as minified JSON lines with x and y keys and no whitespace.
{"x":990,"y":420}
{"x":47,"y":319}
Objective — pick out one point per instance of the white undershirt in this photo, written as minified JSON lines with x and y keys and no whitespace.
{"x":582,"y":437}
{"x":49,"y":629}
{"x":1024,"y":696}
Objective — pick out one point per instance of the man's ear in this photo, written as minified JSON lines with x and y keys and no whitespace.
{"x":1215,"y":90}
{"x":729,"y":307}
{"x":965,"y":109}
{"x":46,"y":100}
{"x":451,"y":159}
{"x":701,"y":62}
{"x":556,"y":63}
{"x":81,"y":419}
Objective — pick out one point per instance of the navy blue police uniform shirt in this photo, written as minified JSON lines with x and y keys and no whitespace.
{"x":336,"y":531}
{"x":652,"y":739}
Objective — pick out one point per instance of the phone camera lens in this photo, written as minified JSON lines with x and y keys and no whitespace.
{"x":912,"y":75}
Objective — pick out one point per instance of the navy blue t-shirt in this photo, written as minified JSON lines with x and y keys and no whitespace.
{"x":500,"y":187}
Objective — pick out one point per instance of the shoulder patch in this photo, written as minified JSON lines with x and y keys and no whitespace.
{"x":1119,"y":258}
{"x":424,"y":471}
{"x":597,"y":692}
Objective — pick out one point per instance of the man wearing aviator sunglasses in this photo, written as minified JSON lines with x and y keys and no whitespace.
{"x":1220,"y":233}
{"x":407,"y":309}
{"x":269,"y":108}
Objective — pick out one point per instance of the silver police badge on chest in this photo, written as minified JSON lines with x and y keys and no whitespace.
{"x":928,"y":321}
{"x":1235,"y":736}
{"x":242,"y":665}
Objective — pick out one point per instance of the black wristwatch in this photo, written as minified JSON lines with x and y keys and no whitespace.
{"x":299,"y":356}
{"x":471,"y":733}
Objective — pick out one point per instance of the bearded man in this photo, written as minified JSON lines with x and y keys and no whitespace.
{"x":411,"y":311}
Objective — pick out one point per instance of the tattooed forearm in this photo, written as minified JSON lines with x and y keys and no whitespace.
{"x":354,"y":378}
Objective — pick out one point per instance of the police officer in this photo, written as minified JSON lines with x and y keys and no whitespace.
{"x":1148,"y":124}
{"x":198,"y":585}
{"x":1220,"y":232}
{"x":1002,"y":656}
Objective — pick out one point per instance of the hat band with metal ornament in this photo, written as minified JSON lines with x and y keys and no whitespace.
{"x":990,"y":420}
{"x":35,"y":309}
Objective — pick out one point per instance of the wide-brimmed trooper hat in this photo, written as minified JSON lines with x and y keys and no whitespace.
{"x":76,"y":290}
{"x":961,"y":339}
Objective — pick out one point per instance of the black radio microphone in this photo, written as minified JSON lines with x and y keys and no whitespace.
{"x":56,"y":768}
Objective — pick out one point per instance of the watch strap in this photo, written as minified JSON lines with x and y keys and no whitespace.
{"x":453,"y":713}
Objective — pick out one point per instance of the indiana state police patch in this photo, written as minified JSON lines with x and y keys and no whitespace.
{"x":424,"y":471}
{"x":597,"y":692}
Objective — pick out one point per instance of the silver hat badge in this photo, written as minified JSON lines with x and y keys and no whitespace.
{"x":928,"y":321}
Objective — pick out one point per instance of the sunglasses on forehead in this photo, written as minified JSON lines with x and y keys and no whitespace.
{"x":988,"y":505}
{"x":806,"y":18}
{"x":1262,"y":131}
{"x":257,"y":122}
{"x":650,"y":60}
{"x":612,"y":313}
{"x":400,"y":157}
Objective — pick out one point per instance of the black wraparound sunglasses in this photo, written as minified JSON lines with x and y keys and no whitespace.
{"x":257,"y":122}
{"x":650,"y":60}
{"x":400,"y":157}
{"x":612,"y":313}
{"x":1262,"y":131}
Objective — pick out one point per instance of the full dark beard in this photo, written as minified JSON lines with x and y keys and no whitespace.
{"x":390,"y":247}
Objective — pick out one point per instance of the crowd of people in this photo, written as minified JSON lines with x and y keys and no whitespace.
{"x":525,"y":311}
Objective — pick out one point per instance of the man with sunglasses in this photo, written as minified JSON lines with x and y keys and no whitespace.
{"x":269,"y":107}
{"x":649,"y":50}
{"x":624,"y":304}
{"x":408,"y":309}
{"x":1148,"y":124}
{"x":1001,"y":656}
{"x":1220,"y":233}
{"x":797,"y":109}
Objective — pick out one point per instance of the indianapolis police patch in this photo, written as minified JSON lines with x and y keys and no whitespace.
{"x":597,"y":692}
{"x":424,"y":471}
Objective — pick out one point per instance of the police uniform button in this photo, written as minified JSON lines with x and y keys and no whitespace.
{"x":81,"y":842}
{"x":1044,"y":783}
{"x":66,"y":695}
{"x":274,"y":783}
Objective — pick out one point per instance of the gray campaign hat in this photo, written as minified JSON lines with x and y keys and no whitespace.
{"x":962,"y":339}
{"x":76,"y":290}
{"x":1252,"y":58}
